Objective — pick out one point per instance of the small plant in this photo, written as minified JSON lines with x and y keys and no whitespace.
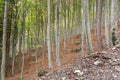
{"x":20,"y":79}
{"x":114,"y":29}
{"x":77,"y":43}
{"x":77,"y":49}
{"x":41,"y":73}
{"x":114,"y":39}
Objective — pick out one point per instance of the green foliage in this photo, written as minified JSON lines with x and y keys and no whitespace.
{"x":41,"y":73}
{"x":1,"y":22}
{"x":114,"y":38}
{"x":78,"y":43}
{"x":20,"y":79}
{"x":76,"y":50}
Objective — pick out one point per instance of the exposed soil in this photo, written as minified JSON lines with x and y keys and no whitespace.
{"x":108,"y":69}
{"x":70,"y":61}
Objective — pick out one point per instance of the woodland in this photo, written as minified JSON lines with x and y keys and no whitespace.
{"x":60,"y":39}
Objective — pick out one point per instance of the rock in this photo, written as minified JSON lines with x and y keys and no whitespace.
{"x":81,"y":78}
{"x":76,"y":78}
{"x":63,"y":78}
{"x":104,"y":52}
{"x":41,"y":73}
{"x":78,"y":72}
{"x":38,"y":79}
{"x":117,"y":46}
{"x":113,"y":48}
{"x":114,"y":60}
{"x":85,"y":70}
{"x":114,"y":75}
{"x":97,"y":62}
{"x":47,"y":74}
{"x":117,"y":68}
{"x":106,"y":57}
{"x":43,"y":77}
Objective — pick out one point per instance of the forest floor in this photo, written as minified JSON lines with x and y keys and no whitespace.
{"x":103,"y":65}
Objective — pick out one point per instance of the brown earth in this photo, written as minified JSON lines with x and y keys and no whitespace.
{"x":68,"y":60}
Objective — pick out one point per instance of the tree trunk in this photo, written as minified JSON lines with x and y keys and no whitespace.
{"x":99,"y":16}
{"x":65,"y":31}
{"x":107,"y":22}
{"x":4,"y":41}
{"x":48,"y":38}
{"x":23,"y":36}
{"x":87,"y":26}
{"x":114,"y":19}
{"x":83,"y":29}
{"x":57,"y":34}
{"x":1,"y":28}
{"x":53,"y":29}
{"x":14,"y":38}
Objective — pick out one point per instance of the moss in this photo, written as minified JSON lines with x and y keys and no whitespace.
{"x":41,"y":73}
{"x":114,"y":39}
{"x":114,"y":29}
{"x":117,"y":41}
{"x":76,"y":50}
{"x":77,"y":43}
{"x":113,"y":33}
{"x":20,"y":79}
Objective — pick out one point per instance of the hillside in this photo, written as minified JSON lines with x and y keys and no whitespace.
{"x":71,"y":61}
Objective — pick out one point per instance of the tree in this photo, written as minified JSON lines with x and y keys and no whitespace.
{"x":1,"y":25}
{"x":4,"y":41}
{"x":23,"y":36}
{"x":99,"y":15}
{"x":83,"y":29}
{"x":48,"y":37}
{"x":57,"y":34}
{"x":114,"y":19}
{"x":87,"y":26}
{"x":107,"y":22}
{"x":14,"y":35}
{"x":65,"y":34}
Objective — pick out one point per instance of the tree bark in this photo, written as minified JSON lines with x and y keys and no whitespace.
{"x":4,"y":41}
{"x":57,"y":35}
{"x":23,"y":36}
{"x":83,"y":29}
{"x":87,"y":26}
{"x":48,"y":38}
{"x":99,"y":16}
{"x":107,"y":22}
{"x":114,"y":19}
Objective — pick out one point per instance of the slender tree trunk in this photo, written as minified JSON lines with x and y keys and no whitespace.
{"x":53,"y":31}
{"x":9,"y":22}
{"x":1,"y":28}
{"x":14,"y":38}
{"x":114,"y":19}
{"x":99,"y":17}
{"x":68,"y":27}
{"x":83,"y":30}
{"x":72,"y":34}
{"x":87,"y":26}
{"x":4,"y":41}
{"x":65,"y":31}
{"x":57,"y":35}
{"x":23,"y":37}
{"x":28,"y":43}
{"x":93,"y":7}
{"x":96,"y":17}
{"x":36,"y":48}
{"x":72,"y":27}
{"x":48,"y":38}
{"x":107,"y":22}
